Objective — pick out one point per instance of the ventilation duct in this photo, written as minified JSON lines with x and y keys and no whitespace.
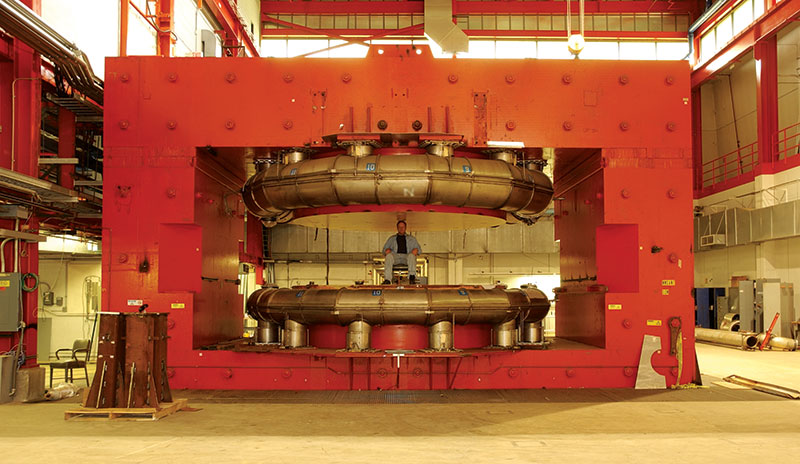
{"x":439,"y":27}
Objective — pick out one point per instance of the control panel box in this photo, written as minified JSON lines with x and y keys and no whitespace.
{"x":10,"y":301}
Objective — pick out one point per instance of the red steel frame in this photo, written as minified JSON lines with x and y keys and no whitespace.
{"x":623,"y":214}
{"x":20,"y":101}
{"x":271,"y":9}
{"x":761,"y":38}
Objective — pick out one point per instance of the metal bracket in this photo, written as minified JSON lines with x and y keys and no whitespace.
{"x":647,"y":378}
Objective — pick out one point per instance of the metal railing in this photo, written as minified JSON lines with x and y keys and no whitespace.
{"x":730,"y":165}
{"x":788,"y":142}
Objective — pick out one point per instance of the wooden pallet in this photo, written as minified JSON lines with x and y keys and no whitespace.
{"x":128,"y":414}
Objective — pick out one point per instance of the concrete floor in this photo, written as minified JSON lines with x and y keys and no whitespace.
{"x":709,"y":425}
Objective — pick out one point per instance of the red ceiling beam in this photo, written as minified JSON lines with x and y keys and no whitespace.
{"x":416,"y":31}
{"x":235,"y":33}
{"x":474,"y":7}
{"x":773,"y":20}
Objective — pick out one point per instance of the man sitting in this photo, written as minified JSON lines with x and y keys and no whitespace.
{"x":401,"y":249}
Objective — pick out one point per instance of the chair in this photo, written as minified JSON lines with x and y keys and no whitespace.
{"x":399,"y":271}
{"x":79,"y":346}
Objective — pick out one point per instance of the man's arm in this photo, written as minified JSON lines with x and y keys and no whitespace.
{"x":387,"y":248}
{"x":415,"y":248}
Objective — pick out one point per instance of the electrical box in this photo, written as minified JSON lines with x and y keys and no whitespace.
{"x":47,"y":298}
{"x":10,"y":301}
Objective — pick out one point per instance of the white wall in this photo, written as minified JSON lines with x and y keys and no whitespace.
{"x":93,"y":25}
{"x":789,"y":76}
{"x":719,"y":106}
{"x":72,"y":319}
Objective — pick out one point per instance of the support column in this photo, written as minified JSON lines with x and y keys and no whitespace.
{"x":358,"y":336}
{"x":440,"y":336}
{"x":124,"y":11}
{"x":166,"y":23}
{"x":505,"y":334}
{"x":267,"y":333}
{"x":697,"y":139}
{"x":66,"y":146}
{"x":295,"y":334}
{"x":765,"y":53}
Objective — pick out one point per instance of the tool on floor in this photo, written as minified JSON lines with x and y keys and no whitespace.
{"x":676,"y":343}
{"x":769,"y":332}
{"x":772,"y":389}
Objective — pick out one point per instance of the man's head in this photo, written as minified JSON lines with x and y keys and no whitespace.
{"x":401,"y":227}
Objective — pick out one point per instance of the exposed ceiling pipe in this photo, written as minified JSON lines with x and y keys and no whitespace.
{"x":439,"y":27}
{"x":25,"y":25}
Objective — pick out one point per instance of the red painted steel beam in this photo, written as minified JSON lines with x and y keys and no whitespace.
{"x":164,"y":24}
{"x":233,"y":29}
{"x":416,"y":31}
{"x":66,"y":146}
{"x":766,"y":51}
{"x":473,"y":7}
{"x":6,"y":48}
{"x":774,"y":20}
{"x":124,"y":9}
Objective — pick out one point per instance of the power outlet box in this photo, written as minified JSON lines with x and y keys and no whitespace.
{"x":10,"y":301}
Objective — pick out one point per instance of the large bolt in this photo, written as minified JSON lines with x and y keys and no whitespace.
{"x":566,"y":79}
{"x":623,"y":126}
{"x":623,"y":79}
{"x":510,"y":78}
{"x":124,"y":124}
{"x":172,"y":77}
{"x":230,"y":124}
{"x":416,"y":125}
{"x":230,"y":77}
{"x":124,"y":77}
{"x":567,"y":125}
{"x":382,"y":124}
{"x":288,"y":124}
{"x":172,"y":124}
{"x":346,"y":77}
{"x":452,"y":78}
{"x":511,"y":125}
{"x":671,"y":126}
{"x":669,"y":80}
{"x":625,"y":193}
{"x":288,"y":77}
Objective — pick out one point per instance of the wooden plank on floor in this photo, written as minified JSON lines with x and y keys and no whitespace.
{"x":131,"y":414}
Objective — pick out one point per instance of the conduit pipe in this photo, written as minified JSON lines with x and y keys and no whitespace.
{"x":25,"y":25}
{"x":742,"y":340}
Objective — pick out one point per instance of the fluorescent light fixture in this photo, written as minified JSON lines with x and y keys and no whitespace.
{"x":504,"y":144}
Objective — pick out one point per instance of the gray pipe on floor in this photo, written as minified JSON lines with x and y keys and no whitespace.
{"x":723,"y":337}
